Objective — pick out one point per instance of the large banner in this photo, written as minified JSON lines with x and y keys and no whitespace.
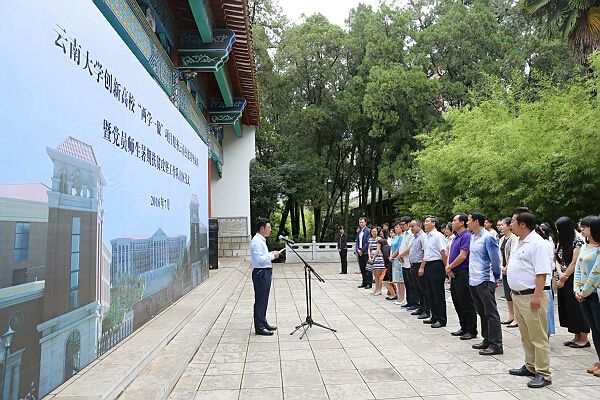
{"x":103,"y":193}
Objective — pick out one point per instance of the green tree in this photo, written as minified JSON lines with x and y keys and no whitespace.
{"x":499,"y":155}
{"x":576,"y":20}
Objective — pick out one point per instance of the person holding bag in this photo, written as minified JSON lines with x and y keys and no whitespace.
{"x":586,"y":284}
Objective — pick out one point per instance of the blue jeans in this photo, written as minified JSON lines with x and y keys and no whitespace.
{"x":591,"y":313}
{"x":261,"y":280}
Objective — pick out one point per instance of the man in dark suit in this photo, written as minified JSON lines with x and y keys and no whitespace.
{"x":362,"y":245}
{"x":342,"y":246}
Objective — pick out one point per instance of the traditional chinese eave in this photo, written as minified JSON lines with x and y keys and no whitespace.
{"x":234,"y":15}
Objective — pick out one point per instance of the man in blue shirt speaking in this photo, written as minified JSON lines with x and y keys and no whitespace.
{"x":261,"y":275}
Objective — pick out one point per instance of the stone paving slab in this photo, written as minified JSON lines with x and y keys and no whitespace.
{"x":379,"y":351}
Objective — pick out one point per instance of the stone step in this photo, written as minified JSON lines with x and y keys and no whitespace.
{"x":110,"y":375}
{"x":159,"y":378}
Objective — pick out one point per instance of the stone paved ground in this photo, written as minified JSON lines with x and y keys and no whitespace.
{"x":379,"y":351}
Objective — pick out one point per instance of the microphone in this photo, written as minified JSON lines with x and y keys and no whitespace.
{"x":286,"y":239}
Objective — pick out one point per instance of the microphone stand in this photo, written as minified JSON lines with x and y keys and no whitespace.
{"x":308,"y":270}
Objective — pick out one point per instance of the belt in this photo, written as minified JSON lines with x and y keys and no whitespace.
{"x":527,"y":291}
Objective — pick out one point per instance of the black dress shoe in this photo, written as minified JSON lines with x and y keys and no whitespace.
{"x":491,"y":351}
{"x":424,"y":315}
{"x":480,"y":346}
{"x":429,"y":321}
{"x":459,"y":332}
{"x":468,"y":336}
{"x":417,"y":312}
{"x":368,"y":287}
{"x":523,"y":371}
{"x":391,"y":298}
{"x":264,"y":332}
{"x":574,"y":345}
{"x":361,"y":286}
{"x":568,"y":343}
{"x":271,"y":328}
{"x":438,"y":325}
{"x":538,"y":381}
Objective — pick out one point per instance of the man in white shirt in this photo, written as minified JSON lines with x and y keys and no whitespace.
{"x":261,"y":276}
{"x":433,"y":267}
{"x":528,"y":271}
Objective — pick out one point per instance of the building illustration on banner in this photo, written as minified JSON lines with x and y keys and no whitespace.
{"x":61,"y":273}
{"x":111,"y":171}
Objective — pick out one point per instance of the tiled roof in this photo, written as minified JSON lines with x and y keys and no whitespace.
{"x":234,"y":15}
{"x":78,"y":149}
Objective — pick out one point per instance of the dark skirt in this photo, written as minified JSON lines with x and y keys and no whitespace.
{"x":386,"y":251}
{"x":569,"y":311}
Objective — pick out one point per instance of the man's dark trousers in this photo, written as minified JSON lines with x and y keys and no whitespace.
{"x":463,"y":302}
{"x":484,"y":298}
{"x":412,"y":296}
{"x":435,"y":273}
{"x":261,"y":279}
{"x":344,"y":261}
{"x":421,"y":286}
{"x":367,"y":276}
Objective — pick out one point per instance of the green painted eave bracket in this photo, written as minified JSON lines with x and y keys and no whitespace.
{"x":237,"y":128}
{"x":224,"y":86}
{"x":202,"y":19}
{"x":221,"y":114}
{"x":219,"y":166}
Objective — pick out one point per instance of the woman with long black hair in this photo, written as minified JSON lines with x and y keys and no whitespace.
{"x":569,"y":312}
{"x":587,"y":282}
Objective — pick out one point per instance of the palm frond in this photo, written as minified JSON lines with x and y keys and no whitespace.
{"x":583,"y":4}
{"x":533,"y":6}
{"x":569,"y":22}
{"x":593,"y":19}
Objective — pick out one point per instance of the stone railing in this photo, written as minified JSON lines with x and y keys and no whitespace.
{"x":316,"y":252}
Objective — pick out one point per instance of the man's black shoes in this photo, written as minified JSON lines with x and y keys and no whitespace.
{"x":264,"y":332}
{"x":468,"y":336}
{"x":438,"y":325}
{"x":368,"y":287}
{"x":429,"y":321}
{"x":417,"y":312}
{"x":538,"y":381}
{"x":459,"y":332}
{"x":271,"y":328}
{"x":480,"y":346}
{"x":491,"y":351}
{"x":523,"y":371}
{"x":361,"y":286}
{"x":424,"y":315}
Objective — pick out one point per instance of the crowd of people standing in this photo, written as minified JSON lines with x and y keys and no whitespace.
{"x":415,"y":259}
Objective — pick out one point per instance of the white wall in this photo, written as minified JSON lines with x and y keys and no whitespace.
{"x":230,"y":195}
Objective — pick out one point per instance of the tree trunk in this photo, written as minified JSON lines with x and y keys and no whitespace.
{"x":317,"y":216}
{"x":284,"y":216}
{"x":296,"y":221}
{"x":303,"y":220}
{"x":293,"y":216}
{"x":380,"y":202}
